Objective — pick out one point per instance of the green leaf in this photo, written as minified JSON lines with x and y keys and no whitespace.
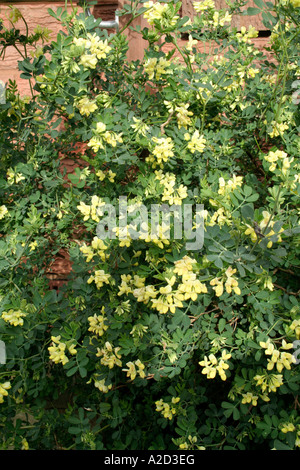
{"x":278,"y":445}
{"x":259,"y":3}
{"x":252,"y":11}
{"x":74,"y":430}
{"x":221,"y":325}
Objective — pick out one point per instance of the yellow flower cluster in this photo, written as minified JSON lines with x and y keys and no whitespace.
{"x":184,"y":265}
{"x":109,"y":174}
{"x":13,"y":177}
{"x":191,"y":287}
{"x":288,"y":427}
{"x":161,"y":152}
{"x":86,"y":106}
{"x":159,"y":236}
{"x":249,"y":398}
{"x":219,"y":217}
{"x":220,"y":18}
{"x":110,"y":356}
{"x":211,"y":365}
{"x":139,"y":126}
{"x":183,"y":115}
{"x":245,"y":36}
{"x":230,"y":185}
{"x":279,"y":156}
{"x":295,"y":3}
{"x":94,"y":50}
{"x":265,"y":222}
{"x":100,"y":278}
{"x":129,"y":283}
{"x":203,"y":5}
{"x":101,"y":385}
{"x":97,"y":323}
{"x":160,"y":12}
{"x":155,"y":68}
{"x":278,"y":129}
{"x":270,"y":382}
{"x":168,"y":299}
{"x":3,"y":211}
{"x":171,"y":194}
{"x":3,"y":390}
{"x":132,"y":371}
{"x":281,"y":359}
{"x":103,"y":136}
{"x":93,"y":211}
{"x":295,"y":326}
{"x":97,"y":248}
{"x":14,"y":317}
{"x":166,"y":409}
{"x":196,"y":142}
{"x":231,"y":284}
{"x":58,"y":349}
{"x":165,"y":298}
{"x":181,"y":109}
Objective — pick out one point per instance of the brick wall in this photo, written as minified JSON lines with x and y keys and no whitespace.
{"x":36,"y":13}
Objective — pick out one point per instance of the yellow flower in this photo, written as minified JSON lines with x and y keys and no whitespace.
{"x":101,"y":175}
{"x":203,"y":5}
{"x":3,"y":390}
{"x":183,"y":115}
{"x":191,"y":287}
{"x":231,"y":185}
{"x":88,"y":61}
{"x":217,"y":286}
{"x":160,"y":12}
{"x":109,"y":355}
{"x":295,"y":326}
{"x":295,"y":3}
{"x":156,"y":68}
{"x":14,"y":317}
{"x":100,"y":384}
{"x":86,"y":106}
{"x":71,"y":348}
{"x":278,"y":128}
{"x":250,"y":231}
{"x":163,"y":149}
{"x":25,"y":445}
{"x":57,"y":351}
{"x":270,"y":382}
{"x":249,"y":398}
{"x":33,"y":245}
{"x":196,"y":142}
{"x":13,"y":177}
{"x":288,"y":427}
{"x":245,"y":36}
{"x":100,"y":278}
{"x":97,"y":324}
{"x":231,"y":283}
{"x":131,"y":371}
{"x":3,"y":211}
{"x":166,"y":410}
{"x":184,"y":265}
{"x":211,"y":365}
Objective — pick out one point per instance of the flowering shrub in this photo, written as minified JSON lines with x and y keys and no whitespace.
{"x":175,"y":331}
